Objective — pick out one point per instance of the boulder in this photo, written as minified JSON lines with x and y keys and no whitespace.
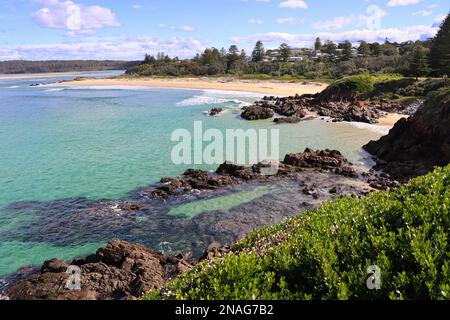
{"x":257,"y":113}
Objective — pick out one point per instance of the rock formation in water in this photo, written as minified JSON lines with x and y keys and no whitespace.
{"x":215,"y":111}
{"x":415,"y":145}
{"x":228,"y":173}
{"x":120,"y":271}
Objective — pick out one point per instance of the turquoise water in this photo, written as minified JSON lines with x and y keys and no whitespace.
{"x":63,"y":148}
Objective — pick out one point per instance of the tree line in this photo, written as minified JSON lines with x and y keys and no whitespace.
{"x":22,"y":66}
{"x":328,"y":60}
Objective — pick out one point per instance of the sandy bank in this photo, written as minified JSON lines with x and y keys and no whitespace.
{"x":391,"y":119}
{"x":277,"y":88}
{"x":38,"y":75}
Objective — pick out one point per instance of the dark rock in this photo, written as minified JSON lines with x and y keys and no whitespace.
{"x":416,"y":145}
{"x":230,"y":169}
{"x":257,"y":113}
{"x":54,"y":266}
{"x":215,"y":111}
{"x":122,"y":271}
{"x":215,"y":250}
{"x":329,"y":160}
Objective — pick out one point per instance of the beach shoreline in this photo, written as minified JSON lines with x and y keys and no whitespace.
{"x":263,"y":87}
{"x":267,"y":87}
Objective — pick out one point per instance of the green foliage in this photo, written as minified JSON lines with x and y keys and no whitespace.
{"x":440,"y":50}
{"x":324,"y":254}
{"x":419,"y":61}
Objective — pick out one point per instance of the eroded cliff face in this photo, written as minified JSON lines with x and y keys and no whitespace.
{"x":415,"y":145}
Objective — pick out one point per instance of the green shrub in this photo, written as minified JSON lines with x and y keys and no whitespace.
{"x":324,"y":254}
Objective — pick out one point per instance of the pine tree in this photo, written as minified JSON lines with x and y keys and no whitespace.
{"x":318,"y":44}
{"x":285,"y":52}
{"x":364,"y":49}
{"x":418,"y":65}
{"x":347,"y":50}
{"x":259,"y":52}
{"x":439,"y":57}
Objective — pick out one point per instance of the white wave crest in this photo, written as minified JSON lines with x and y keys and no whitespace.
{"x":54,"y":90}
{"x":201,"y":100}
{"x":384,"y":130}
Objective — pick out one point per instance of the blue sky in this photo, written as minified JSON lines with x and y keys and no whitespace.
{"x":101,"y":29}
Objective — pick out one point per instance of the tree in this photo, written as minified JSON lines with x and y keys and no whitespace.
{"x":243,"y":55}
{"x":232,"y":57}
{"x":285,"y":52}
{"x":375,"y":49}
{"x":318,"y":44}
{"x":347,"y":53}
{"x":149,"y":59}
{"x":329,"y":47}
{"x":418,"y":61}
{"x":388,"y":49}
{"x":258,"y":53}
{"x":440,"y":50}
{"x":364,"y":49}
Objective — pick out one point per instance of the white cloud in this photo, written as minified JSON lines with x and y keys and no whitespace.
{"x":393,"y":34}
{"x":398,"y":3}
{"x":354,"y":20}
{"x":130,"y":48}
{"x":423,"y":13}
{"x":184,"y":28}
{"x":255,"y":21}
{"x":137,"y":6}
{"x":294,"y":4}
{"x":76,"y":18}
{"x":290,"y":21}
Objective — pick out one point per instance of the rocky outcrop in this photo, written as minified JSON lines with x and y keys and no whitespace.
{"x":120,"y":271}
{"x":338,"y":107}
{"x":328,"y":160}
{"x":215,"y":111}
{"x":228,"y":173}
{"x":415,"y":145}
{"x":257,"y":113}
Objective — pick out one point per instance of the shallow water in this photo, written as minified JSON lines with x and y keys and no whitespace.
{"x":63,"y":149}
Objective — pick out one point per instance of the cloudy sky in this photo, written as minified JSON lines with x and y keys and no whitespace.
{"x":113,"y":29}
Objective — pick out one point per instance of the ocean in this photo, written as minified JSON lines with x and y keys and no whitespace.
{"x":66,"y":150}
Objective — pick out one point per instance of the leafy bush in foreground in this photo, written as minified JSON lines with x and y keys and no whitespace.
{"x":324,"y":254}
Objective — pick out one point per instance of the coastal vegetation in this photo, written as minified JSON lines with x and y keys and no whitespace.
{"x":326,"y":61}
{"x":390,"y":86}
{"x":21,"y":66}
{"x":325,"y":253}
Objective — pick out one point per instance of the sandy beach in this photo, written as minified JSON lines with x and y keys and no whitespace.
{"x":276,"y":88}
{"x":37,"y":75}
{"x":391,"y":119}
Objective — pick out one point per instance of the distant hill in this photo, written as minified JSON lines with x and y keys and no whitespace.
{"x":23,"y":66}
